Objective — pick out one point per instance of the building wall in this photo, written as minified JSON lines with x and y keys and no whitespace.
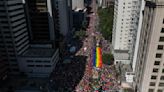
{"x":134,"y":58}
{"x":125,"y":25}
{"x":77,"y":4}
{"x":3,"y":60}
{"x":14,"y":31}
{"x":63,"y":17}
{"x":38,"y":66}
{"x":150,"y":59}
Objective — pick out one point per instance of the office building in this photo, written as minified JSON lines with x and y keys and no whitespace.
{"x":3,"y":59}
{"x":149,"y":72}
{"x":125,"y":26}
{"x":65,"y":13}
{"x":13,"y":32}
{"x":40,"y":59}
{"x":136,"y":45}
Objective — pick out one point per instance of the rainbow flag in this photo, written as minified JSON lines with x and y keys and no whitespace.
{"x":97,"y":57}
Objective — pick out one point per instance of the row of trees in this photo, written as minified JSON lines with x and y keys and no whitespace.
{"x":106,"y":22}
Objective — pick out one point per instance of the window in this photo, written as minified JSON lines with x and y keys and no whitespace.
{"x":161,"y":39}
{"x":152,"y":83}
{"x":38,"y":65}
{"x":158,"y":55}
{"x":151,"y":90}
{"x":47,"y":61}
{"x":30,"y":65}
{"x":157,"y":63}
{"x":29,"y":61}
{"x":153,"y":77}
{"x":155,"y":70}
{"x":162,"y":78}
{"x":162,"y":30}
{"x":161,"y":84}
{"x":159,"y":90}
{"x":162,"y":70}
{"x":38,"y":61}
{"x":47,"y":65}
{"x":160,"y":47}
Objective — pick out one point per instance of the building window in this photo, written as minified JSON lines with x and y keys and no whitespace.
{"x":160,"y":47}
{"x":158,"y":55}
{"x":47,"y":65}
{"x":161,"y":84}
{"x":30,"y":65}
{"x":152,"y":83}
{"x":162,"y":30}
{"x":159,"y":90}
{"x":162,"y":78}
{"x":153,"y":77}
{"x":161,"y":39}
{"x":157,"y":63}
{"x":155,"y":70}
{"x":29,"y":61}
{"x":162,"y":70}
{"x":47,"y":61}
{"x":37,"y":61}
{"x":151,"y":90}
{"x":38,"y":65}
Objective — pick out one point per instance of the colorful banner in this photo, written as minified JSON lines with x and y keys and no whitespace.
{"x":97,"y":57}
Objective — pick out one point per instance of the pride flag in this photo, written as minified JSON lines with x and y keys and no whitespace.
{"x":97,"y":57}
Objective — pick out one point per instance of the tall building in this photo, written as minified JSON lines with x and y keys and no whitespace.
{"x":64,"y":11}
{"x":3,"y":59}
{"x":40,"y":20}
{"x":40,"y":59}
{"x":27,"y":37}
{"x":149,"y":72}
{"x":13,"y":32}
{"x":125,"y":26}
{"x":135,"y":47}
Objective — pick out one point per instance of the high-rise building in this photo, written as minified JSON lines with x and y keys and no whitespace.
{"x":64,"y":12}
{"x":125,"y":26}
{"x":3,"y":59}
{"x":149,"y":72}
{"x":13,"y":32}
{"x":40,"y":18}
{"x":40,"y":59}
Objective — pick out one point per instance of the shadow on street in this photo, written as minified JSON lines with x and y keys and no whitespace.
{"x":67,"y":76}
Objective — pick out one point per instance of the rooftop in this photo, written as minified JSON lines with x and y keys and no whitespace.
{"x":39,"y":52}
{"x":121,"y":55}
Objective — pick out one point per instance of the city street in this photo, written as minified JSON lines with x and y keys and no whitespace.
{"x":77,"y":75}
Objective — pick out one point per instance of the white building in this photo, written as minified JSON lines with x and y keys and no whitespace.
{"x":77,"y":4}
{"x":149,"y":70}
{"x":138,"y":36}
{"x":125,"y":26}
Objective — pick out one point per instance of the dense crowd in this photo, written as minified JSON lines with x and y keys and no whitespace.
{"x":77,"y":76}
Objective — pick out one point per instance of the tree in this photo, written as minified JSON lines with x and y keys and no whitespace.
{"x":107,"y":58}
{"x":80,"y":34}
{"x":106,"y":22}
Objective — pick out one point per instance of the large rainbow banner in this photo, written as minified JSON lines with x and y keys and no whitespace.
{"x":97,"y":57}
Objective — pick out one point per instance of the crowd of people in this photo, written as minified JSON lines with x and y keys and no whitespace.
{"x":77,"y":76}
{"x":67,"y":76}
